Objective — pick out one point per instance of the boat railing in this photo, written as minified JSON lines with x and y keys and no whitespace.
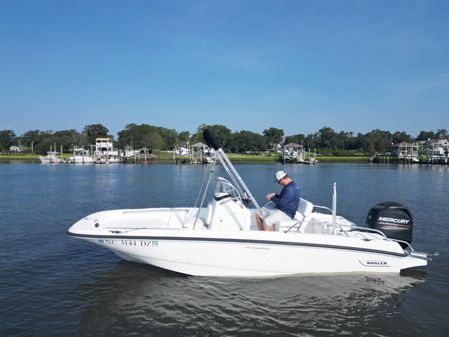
{"x":334,"y":224}
{"x":323,"y":207}
{"x":376,"y":231}
{"x":409,"y":246}
{"x":225,"y":187}
{"x":366,"y":229}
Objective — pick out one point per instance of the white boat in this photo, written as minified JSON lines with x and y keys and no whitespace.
{"x":80,"y":156}
{"x":52,"y":157}
{"x":105,"y":153}
{"x":221,"y":239}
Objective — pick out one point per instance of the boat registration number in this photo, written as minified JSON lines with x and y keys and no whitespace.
{"x":136,"y":243}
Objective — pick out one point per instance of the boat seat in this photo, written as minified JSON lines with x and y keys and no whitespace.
{"x":302,"y":216}
{"x":305,"y":208}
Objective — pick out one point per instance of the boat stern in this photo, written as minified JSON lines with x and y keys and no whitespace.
{"x":415,"y":259}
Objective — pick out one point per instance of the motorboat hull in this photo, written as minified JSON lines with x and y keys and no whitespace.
{"x":50,"y":160}
{"x":80,"y":160}
{"x":256,"y":254}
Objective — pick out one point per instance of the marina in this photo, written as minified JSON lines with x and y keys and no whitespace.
{"x":430,"y":152}
{"x":295,"y":153}
{"x":198,"y":153}
{"x":103,"y":151}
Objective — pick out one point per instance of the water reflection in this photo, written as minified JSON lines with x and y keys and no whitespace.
{"x":136,"y":299}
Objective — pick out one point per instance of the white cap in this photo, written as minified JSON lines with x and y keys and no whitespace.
{"x":280,"y":175}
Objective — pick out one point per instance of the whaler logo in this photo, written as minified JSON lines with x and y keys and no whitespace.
{"x":393,"y":220}
{"x":374,"y":263}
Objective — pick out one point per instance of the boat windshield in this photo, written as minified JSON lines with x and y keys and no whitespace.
{"x":225,"y":189}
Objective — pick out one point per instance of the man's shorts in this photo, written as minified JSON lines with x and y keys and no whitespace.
{"x":273,"y":216}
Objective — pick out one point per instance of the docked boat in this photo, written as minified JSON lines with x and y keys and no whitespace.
{"x":80,"y":156}
{"x":52,"y":157}
{"x":105,"y":153}
{"x":222,"y":239}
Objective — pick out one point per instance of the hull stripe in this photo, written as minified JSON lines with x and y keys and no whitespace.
{"x":248,"y":241}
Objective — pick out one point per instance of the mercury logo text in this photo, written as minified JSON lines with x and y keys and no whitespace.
{"x":394,"y":220}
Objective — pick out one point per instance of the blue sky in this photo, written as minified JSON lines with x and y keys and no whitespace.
{"x":249,"y":65}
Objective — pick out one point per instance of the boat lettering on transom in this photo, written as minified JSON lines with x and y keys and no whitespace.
{"x":374,"y":263}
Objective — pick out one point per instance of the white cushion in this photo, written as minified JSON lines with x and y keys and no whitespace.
{"x":305,"y":207}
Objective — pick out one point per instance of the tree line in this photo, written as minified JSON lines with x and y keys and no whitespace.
{"x":325,"y":140}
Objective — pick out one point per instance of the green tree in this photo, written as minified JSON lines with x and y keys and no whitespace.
{"x":244,"y":141}
{"x":273,"y":136}
{"x":377,"y":141}
{"x":401,"y":136}
{"x":33,"y":138}
{"x":94,"y":131}
{"x":354,"y":142}
{"x":68,"y":139}
{"x":7,"y":139}
{"x":169,"y":138}
{"x":184,"y":137}
{"x":442,"y":134}
{"x":311,"y":140}
{"x":342,"y":140}
{"x":139,"y":136}
{"x":327,"y":138}
{"x":298,"y":139}
{"x":47,"y":142}
{"x":40,"y":141}
{"x":424,"y":135}
{"x":222,"y":133}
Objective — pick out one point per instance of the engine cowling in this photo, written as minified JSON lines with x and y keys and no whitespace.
{"x":393,"y":219}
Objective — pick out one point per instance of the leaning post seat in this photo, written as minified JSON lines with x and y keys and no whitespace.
{"x":302,"y":216}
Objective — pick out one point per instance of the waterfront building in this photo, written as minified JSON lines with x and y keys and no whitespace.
{"x":407,"y":152}
{"x":293,"y":153}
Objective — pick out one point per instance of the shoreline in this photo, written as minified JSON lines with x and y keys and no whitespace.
{"x":234,"y":157}
{"x":166,"y":158}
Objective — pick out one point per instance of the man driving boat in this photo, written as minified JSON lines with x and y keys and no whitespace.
{"x":285,"y":204}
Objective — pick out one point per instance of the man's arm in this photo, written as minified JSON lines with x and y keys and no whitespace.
{"x":282,"y":200}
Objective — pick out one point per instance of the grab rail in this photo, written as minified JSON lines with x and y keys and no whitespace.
{"x":373,"y":230}
{"x":323,"y":207}
{"x":366,"y":229}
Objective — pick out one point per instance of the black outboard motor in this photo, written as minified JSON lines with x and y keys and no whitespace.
{"x":393,"y":219}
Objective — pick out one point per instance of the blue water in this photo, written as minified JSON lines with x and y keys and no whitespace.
{"x":53,"y":285}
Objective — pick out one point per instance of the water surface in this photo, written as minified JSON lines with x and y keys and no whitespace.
{"x":52,"y":284}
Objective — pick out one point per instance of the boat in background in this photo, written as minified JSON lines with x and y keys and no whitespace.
{"x":52,"y":157}
{"x":80,"y":156}
{"x":105,"y":153}
{"x":222,"y":239}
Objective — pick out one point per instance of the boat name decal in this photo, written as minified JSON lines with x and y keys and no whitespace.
{"x":257,"y":247}
{"x":393,"y":220}
{"x":137,"y":243}
{"x":374,"y":263}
